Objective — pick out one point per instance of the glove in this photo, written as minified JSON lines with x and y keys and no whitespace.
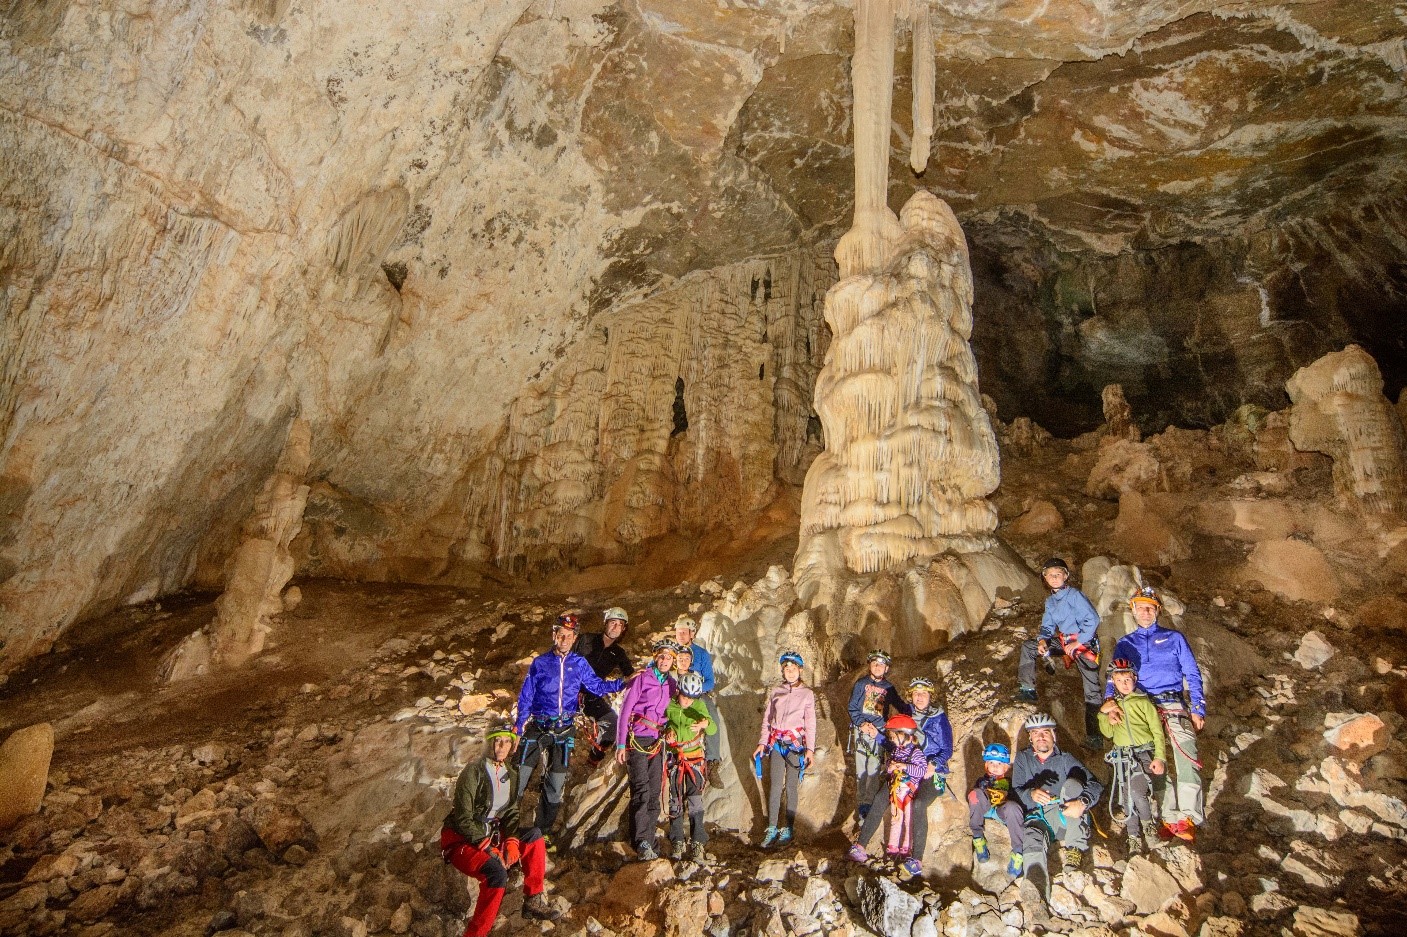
{"x":512,"y":851}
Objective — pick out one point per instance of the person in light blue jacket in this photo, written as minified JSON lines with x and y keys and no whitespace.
{"x":1068,"y":631}
{"x":1168,"y":672}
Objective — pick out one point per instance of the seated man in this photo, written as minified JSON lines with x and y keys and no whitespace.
{"x":482,"y":839}
{"x":1056,"y":792}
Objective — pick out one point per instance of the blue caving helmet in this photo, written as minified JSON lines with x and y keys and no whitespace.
{"x":792,"y":657}
{"x":997,"y":752}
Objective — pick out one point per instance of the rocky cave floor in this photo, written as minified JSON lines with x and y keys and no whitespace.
{"x":304,"y":795}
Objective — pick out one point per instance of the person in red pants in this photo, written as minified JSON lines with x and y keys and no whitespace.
{"x":481,"y":837}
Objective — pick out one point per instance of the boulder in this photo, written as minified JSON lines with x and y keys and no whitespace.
{"x":1124,"y":466}
{"x":1361,"y":735}
{"x":280,"y":825}
{"x":1382,"y":613}
{"x":634,"y":888}
{"x":1249,"y":520}
{"x":885,"y":907}
{"x":1293,"y":569}
{"x":1144,"y":535}
{"x":1148,"y":885}
{"x":1317,"y":922}
{"x":1314,"y":651}
{"x":24,"y":771}
{"x":1040,"y":517}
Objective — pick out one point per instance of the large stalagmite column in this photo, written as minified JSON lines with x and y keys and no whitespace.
{"x":897,"y":537}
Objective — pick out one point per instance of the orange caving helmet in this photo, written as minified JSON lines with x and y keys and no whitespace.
{"x":1147,"y":595}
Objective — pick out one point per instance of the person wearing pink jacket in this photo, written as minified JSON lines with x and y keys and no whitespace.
{"x":789,"y":735}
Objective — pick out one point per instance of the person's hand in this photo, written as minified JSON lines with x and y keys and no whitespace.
{"x":1157,"y":766}
{"x":1041,"y":797}
{"x":868,"y":730}
{"x":809,"y":755}
{"x":1042,"y":647}
{"x":1073,"y":809}
{"x":1198,"y":721}
{"x":701,"y":725}
{"x":620,"y":756}
{"x":759,"y":751}
{"x":930,"y":772}
{"x":512,"y":851}
{"x":1115,"y":715}
{"x":1109,"y":707}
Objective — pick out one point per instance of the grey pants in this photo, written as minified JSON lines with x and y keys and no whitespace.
{"x":1182,"y":796}
{"x":1089,"y":673}
{"x":1047,"y":822}
{"x":537,"y":742}
{"x":869,"y":770}
{"x":712,"y":742}
{"x":879,"y":810}
{"x":783,"y":773}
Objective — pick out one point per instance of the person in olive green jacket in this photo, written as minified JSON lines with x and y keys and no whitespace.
{"x":687,"y":726}
{"x":481,"y":837}
{"x":1138,"y":755}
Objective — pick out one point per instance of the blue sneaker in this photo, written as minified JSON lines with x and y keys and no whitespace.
{"x":769,"y":837}
{"x":783,"y":835}
{"x":1016,"y":865}
{"x":979,"y":848}
{"x":912,"y":867}
{"x":858,"y":854}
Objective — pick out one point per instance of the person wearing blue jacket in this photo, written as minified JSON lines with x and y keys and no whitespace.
{"x":547,"y":707}
{"x":1068,"y":630}
{"x":1168,"y":672}
{"x":703,"y":666}
{"x":936,"y":735}
{"x":870,"y":703}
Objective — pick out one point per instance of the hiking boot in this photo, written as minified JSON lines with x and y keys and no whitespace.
{"x":698,"y":854}
{"x":1135,"y":844}
{"x":715,"y":775}
{"x":1071,"y":859}
{"x":768,"y":838}
{"x":911,"y":867}
{"x":537,"y":906}
{"x":783,"y":835}
{"x":979,"y":849}
{"x":857,"y":854}
{"x":1015,"y":865}
{"x":646,"y":852}
{"x":1150,"y":835}
{"x":678,"y":850}
{"x":1027,"y":694}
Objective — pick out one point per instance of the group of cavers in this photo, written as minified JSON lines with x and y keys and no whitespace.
{"x":1149,"y":705}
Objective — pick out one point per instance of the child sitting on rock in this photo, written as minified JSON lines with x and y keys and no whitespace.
{"x":687,"y":724}
{"x":990,"y":799}
{"x":908,"y":767}
{"x":1138,"y":754}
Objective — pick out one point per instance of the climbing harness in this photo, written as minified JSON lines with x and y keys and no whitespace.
{"x":1073,"y":648}
{"x":1125,"y":762}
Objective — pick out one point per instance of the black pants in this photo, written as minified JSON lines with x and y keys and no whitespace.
{"x":557,"y":745}
{"x":646,"y":777}
{"x":605,"y":717}
{"x":686,"y":806}
{"x":1089,"y":672}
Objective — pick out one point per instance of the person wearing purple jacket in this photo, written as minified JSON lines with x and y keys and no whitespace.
{"x":640,"y":746}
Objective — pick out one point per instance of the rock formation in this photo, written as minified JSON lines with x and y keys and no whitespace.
{"x":24,"y":772}
{"x":261,"y":566}
{"x":1339,"y":409}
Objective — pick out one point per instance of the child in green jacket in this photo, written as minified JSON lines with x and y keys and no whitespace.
{"x":687,"y":723}
{"x":1139,"y":752}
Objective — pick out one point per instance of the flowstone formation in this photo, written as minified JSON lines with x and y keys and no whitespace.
{"x":1339,"y":409}
{"x":896,"y":529}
